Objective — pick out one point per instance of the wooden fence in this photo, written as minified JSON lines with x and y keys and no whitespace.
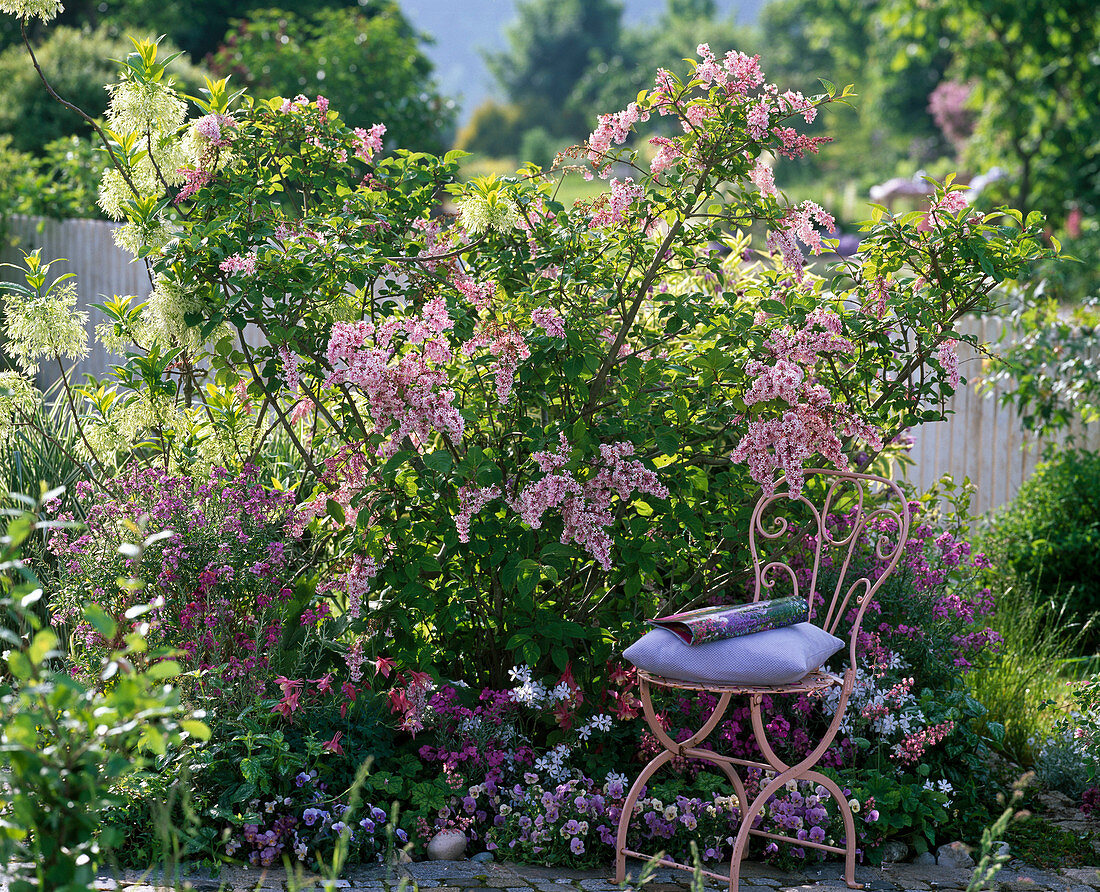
{"x":981,"y":440}
{"x":86,"y":248}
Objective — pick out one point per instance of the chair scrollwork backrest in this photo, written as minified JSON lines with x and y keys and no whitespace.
{"x":857,"y":511}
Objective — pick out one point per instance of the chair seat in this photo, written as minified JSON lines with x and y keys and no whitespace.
{"x":817,"y":682}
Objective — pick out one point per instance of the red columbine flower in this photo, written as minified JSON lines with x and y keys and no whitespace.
{"x":333,"y":746}
{"x":287,"y":685}
{"x":383,"y":666}
{"x":349,"y":692}
{"x":289,"y":704}
{"x":324,"y":685}
{"x":419,"y":679}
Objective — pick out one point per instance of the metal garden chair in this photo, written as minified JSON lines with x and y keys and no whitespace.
{"x":872,"y":514}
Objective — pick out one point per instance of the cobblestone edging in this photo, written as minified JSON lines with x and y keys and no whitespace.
{"x":465,"y":876}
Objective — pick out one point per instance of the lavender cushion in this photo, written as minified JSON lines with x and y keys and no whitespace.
{"x":773,"y":657}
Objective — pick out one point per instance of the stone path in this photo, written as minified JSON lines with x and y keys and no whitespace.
{"x":467,"y":876}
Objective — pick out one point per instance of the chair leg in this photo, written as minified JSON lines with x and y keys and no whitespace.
{"x":849,"y":826}
{"x":628,"y":810}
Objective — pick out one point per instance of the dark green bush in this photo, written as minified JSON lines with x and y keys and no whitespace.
{"x":1049,"y":537}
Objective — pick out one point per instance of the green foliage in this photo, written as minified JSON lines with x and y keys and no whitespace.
{"x":66,"y":744}
{"x":1032,"y":665}
{"x":367,"y":60}
{"x":1049,"y":535}
{"x":60,"y":183}
{"x":1048,"y":368}
{"x":1034,"y":840}
{"x":77,"y":62}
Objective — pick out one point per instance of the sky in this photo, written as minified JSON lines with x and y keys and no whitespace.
{"x":462,"y":28}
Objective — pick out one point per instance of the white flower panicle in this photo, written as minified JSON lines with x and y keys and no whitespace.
{"x":479,"y":214}
{"x":18,"y":398}
{"x":45,"y":326}
{"x":29,"y":9}
{"x":140,"y":107}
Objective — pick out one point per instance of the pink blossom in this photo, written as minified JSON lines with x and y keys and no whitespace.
{"x":758,"y":120}
{"x":333,"y":745}
{"x":668,"y":155}
{"x":239,"y":263}
{"x":585,"y":507}
{"x":762,"y":177}
{"x":549,"y":321}
{"x":290,"y":368}
{"x":613,"y":129}
{"x":949,"y":360}
{"x":509,"y":348}
{"x":471,"y":499}
{"x":368,"y":142}
{"x":213,"y":127}
{"x":194,"y":179}
{"x":951,"y":203}
{"x":408,"y":393}
{"x":480,"y":295}
{"x":622,"y":195}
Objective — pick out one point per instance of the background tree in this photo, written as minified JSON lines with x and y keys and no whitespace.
{"x":1034,"y":68}
{"x":368,"y":61}
{"x":550,"y":47}
{"x":77,"y":62}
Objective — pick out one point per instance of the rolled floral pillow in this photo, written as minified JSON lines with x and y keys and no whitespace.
{"x":733,"y":621}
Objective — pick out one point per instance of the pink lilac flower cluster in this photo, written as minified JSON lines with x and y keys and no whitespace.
{"x":507,"y":346}
{"x":309,"y":823}
{"x":813,"y":423}
{"x":407,"y":389}
{"x":214,"y":128}
{"x":368,"y":142}
{"x":216,"y":576}
{"x":945,"y":208}
{"x":585,"y":507}
{"x":762,"y":177}
{"x":949,"y":361}
{"x":613,"y":129}
{"x":549,"y":320}
{"x":798,"y":227}
{"x":617,"y":202}
{"x":239,"y":263}
{"x":194,"y":178}
{"x":471,"y":499}
{"x":735,"y":82}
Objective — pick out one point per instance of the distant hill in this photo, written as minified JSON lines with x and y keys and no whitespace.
{"x":462,"y":28}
